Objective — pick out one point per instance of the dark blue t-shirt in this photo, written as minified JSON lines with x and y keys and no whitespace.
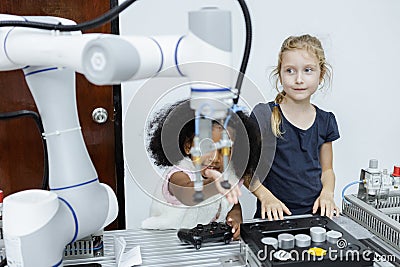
{"x":295,"y":174}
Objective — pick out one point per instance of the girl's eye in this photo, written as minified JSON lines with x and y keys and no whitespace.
{"x":308,"y":70}
{"x":290,"y":71}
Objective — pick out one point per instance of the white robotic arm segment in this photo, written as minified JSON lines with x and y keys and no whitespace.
{"x":205,"y":57}
{"x":211,"y":80}
{"x":114,"y":59}
{"x":32,"y":217}
{"x":5,"y":62}
{"x":35,"y":47}
{"x":37,"y":206}
{"x":112,"y":205}
{"x":191,"y":50}
{"x":92,"y":205}
{"x":84,"y":204}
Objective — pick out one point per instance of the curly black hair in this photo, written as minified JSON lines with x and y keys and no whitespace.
{"x":174,"y":126}
{"x":169,"y":130}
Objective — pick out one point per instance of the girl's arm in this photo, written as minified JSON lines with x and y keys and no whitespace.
{"x":182,"y":188}
{"x":234,"y":219}
{"x":326,"y":201}
{"x":270,"y":205}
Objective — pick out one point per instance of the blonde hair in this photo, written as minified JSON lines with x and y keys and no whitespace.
{"x":313,"y":46}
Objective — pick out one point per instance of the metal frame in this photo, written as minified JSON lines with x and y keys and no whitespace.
{"x":385,"y":226}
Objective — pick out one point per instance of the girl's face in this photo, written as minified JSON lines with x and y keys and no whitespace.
{"x":213,"y":160}
{"x":299,"y":74}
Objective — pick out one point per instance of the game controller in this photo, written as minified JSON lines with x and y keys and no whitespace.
{"x":212,"y":232}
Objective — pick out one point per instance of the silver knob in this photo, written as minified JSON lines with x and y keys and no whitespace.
{"x":100,"y":115}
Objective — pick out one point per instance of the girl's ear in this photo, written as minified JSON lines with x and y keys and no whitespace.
{"x":187,"y":147}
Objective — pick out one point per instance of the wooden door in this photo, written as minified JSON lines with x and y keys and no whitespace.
{"x":21,"y":150}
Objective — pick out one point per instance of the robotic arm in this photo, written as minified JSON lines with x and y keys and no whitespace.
{"x":49,"y":60}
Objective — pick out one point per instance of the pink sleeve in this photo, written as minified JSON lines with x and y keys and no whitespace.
{"x":171,"y":199}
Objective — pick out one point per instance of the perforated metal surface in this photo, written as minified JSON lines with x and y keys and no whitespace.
{"x":383,"y":219}
{"x":85,"y":248}
{"x":163,"y":248}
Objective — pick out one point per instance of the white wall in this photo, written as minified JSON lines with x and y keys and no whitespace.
{"x":361,"y":41}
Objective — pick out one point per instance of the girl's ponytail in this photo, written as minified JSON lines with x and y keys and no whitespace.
{"x":276,"y":118}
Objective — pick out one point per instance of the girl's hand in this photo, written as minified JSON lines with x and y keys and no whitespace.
{"x":234,"y":219}
{"x":327,"y":205}
{"x":232,"y":194}
{"x":273,"y":207}
{"x":235,"y":227}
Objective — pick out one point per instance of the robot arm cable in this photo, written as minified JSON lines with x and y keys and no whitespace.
{"x":38,"y":121}
{"x":109,"y":15}
{"x":247,"y":48}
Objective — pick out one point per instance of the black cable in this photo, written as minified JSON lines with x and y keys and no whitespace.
{"x":247,"y":48}
{"x":109,"y":15}
{"x":38,"y":121}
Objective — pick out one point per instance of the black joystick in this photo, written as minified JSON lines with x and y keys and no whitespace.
{"x":212,"y":232}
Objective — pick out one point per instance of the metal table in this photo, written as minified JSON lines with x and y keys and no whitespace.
{"x":163,"y":248}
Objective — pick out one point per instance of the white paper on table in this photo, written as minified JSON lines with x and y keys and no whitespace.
{"x":129,"y":258}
